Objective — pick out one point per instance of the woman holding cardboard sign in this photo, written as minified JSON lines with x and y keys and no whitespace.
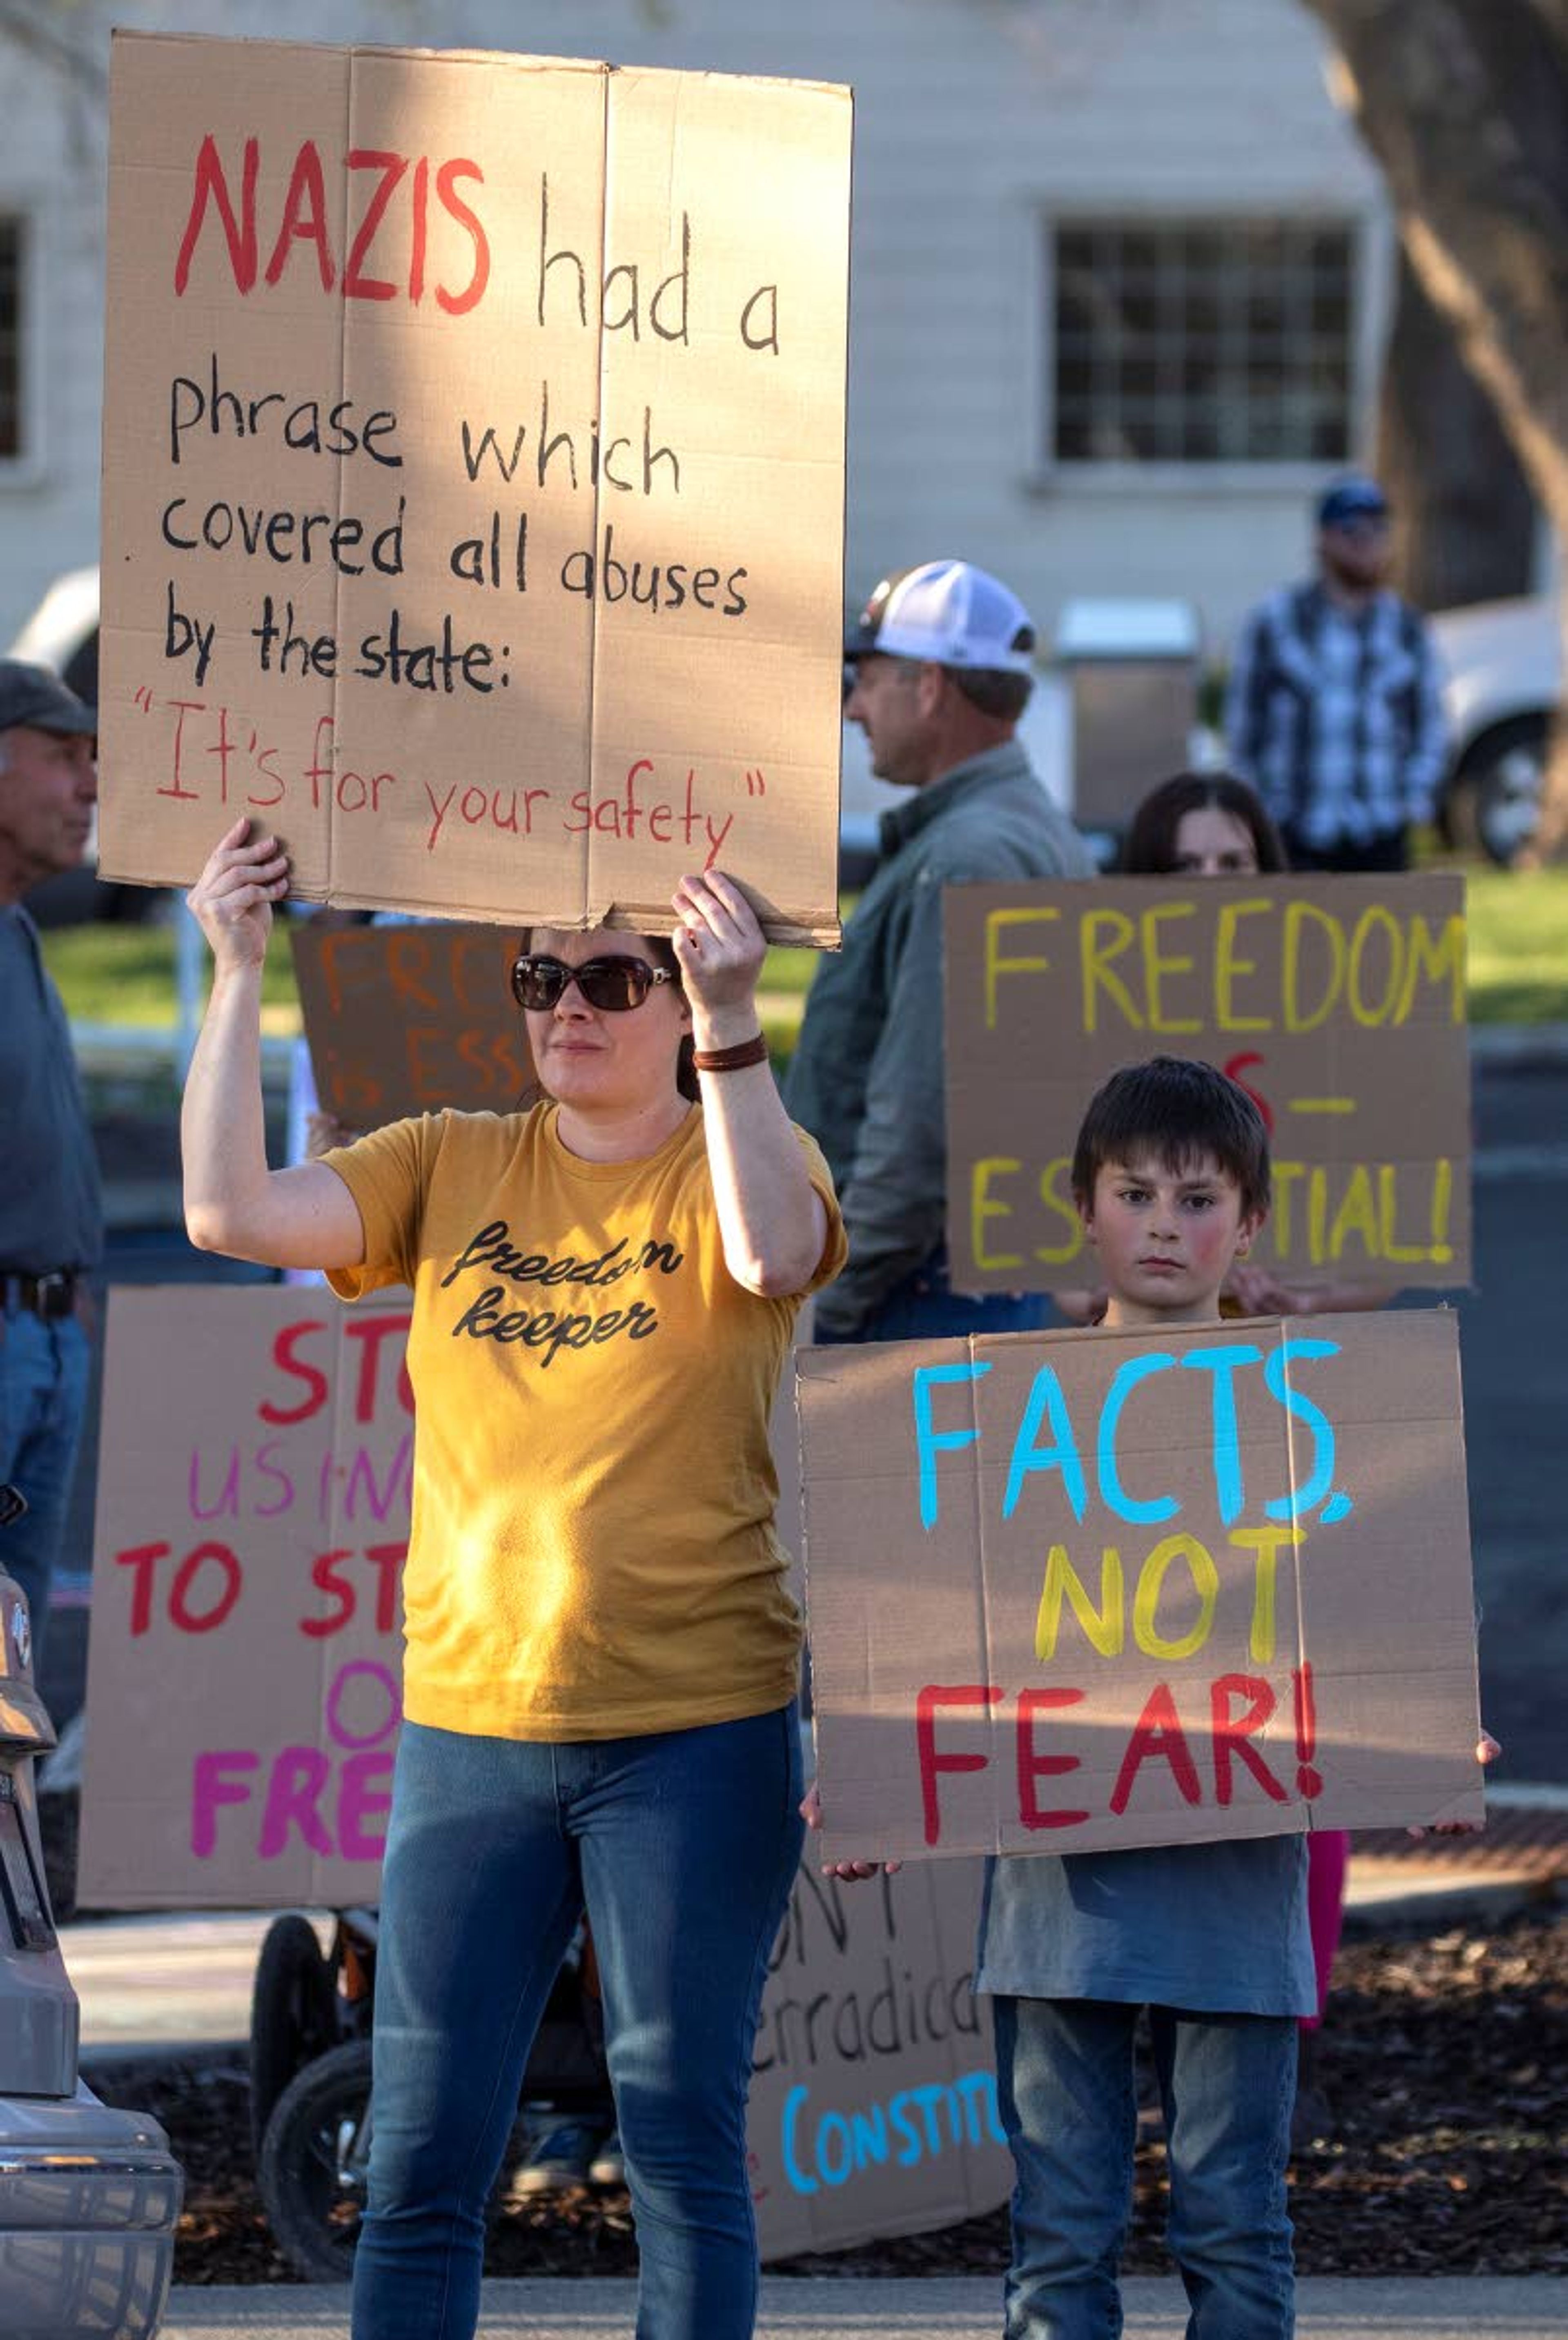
{"x":602,"y":1656}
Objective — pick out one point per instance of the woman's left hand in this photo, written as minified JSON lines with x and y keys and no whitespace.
{"x":720,"y":948}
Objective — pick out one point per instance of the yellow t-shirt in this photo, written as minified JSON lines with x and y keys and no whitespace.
{"x":592,"y":1553}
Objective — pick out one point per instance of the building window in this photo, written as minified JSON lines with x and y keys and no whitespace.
{"x":11,"y":352}
{"x":1202,"y":341}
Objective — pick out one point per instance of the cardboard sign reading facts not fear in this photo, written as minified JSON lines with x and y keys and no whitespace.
{"x":473,"y":478}
{"x":1092,"y":1590}
{"x":244,"y":1703}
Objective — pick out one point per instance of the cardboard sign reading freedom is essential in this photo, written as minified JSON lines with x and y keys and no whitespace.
{"x":1088,"y":1590}
{"x":409,"y":1020}
{"x":1338,"y":1003}
{"x":473,"y":478}
{"x":244,"y":1696}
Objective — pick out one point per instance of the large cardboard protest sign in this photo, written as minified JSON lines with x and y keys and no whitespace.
{"x":473,"y":477}
{"x":874,"y":2097}
{"x":1337,"y":1003}
{"x":245,"y":1680}
{"x":244,"y":1703}
{"x":410,"y":1019}
{"x":1075,"y":1590}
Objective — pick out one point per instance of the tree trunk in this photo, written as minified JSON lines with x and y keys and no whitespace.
{"x":1463,"y":516}
{"x":1462,"y":103}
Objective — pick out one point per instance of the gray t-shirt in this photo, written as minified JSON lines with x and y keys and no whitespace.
{"x":1217,"y":1928}
{"x":50,"y":1213}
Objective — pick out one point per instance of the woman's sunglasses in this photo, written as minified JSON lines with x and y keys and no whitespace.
{"x":611,"y":985}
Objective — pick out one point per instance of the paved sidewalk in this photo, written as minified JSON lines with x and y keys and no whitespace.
{"x":824,"y":2308}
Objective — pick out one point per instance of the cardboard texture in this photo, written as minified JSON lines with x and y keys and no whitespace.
{"x":1075,"y":1590}
{"x":405,"y":1020}
{"x":242,"y":1685}
{"x":1338,"y":1003}
{"x":244,"y":1677}
{"x":873,"y":2102}
{"x":473,"y":478}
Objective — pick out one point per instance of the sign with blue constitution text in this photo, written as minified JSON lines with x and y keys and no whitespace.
{"x":1085,"y":1590}
{"x":1337,"y":1003}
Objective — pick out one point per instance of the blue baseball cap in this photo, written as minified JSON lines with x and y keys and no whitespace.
{"x":1355,"y":498}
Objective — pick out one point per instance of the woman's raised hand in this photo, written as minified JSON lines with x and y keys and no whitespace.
{"x":720,"y":948}
{"x":232,"y":899}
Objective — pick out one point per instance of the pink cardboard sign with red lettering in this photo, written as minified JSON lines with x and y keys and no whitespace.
{"x":1081,"y":1591}
{"x":473,"y":477}
{"x":246,"y":1658}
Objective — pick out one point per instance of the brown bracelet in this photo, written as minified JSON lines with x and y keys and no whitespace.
{"x":732,"y":1060}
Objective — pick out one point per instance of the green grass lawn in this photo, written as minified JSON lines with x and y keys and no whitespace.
{"x":1518,"y":965}
{"x":1518,"y":946}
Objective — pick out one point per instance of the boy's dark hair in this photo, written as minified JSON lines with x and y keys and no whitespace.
{"x":1176,"y":1110}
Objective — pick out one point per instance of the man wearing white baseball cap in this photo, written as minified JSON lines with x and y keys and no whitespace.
{"x":940,"y":664}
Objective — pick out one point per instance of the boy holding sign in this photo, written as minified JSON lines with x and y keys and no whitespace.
{"x":1171,"y":1179}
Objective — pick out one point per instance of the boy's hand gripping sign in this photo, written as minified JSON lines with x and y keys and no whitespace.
{"x":1093,"y":1590}
{"x":473,"y":458}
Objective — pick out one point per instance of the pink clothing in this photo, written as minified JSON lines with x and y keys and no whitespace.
{"x":1327,"y":1859}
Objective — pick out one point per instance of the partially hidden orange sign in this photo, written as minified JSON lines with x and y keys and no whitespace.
{"x":413,"y":1019}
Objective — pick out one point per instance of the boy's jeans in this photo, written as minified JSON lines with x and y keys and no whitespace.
{"x":1065,"y":2091}
{"x":684,"y":1846}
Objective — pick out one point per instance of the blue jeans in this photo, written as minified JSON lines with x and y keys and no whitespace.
{"x":682,"y":1846}
{"x":1066,"y":2092}
{"x":43,"y":1394}
{"x":923,"y":1307}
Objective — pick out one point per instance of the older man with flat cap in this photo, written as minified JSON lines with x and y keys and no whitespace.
{"x":942,"y":658}
{"x":51,"y":1220}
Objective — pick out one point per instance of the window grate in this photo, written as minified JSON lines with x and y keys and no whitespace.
{"x":1216,"y":341}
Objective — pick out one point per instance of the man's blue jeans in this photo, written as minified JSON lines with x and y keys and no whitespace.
{"x":1066,"y":2092}
{"x":43,"y":1394}
{"x":682,"y":1846}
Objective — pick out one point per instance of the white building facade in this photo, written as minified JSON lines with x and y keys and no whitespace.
{"x":1121,"y":273}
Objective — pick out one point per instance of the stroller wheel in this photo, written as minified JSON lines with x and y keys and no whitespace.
{"x":293,"y":2014}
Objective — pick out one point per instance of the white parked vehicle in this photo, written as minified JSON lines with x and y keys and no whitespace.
{"x":1503,"y":661}
{"x":89,"y":2196}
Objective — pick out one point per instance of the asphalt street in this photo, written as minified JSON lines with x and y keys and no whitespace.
{"x":825,"y":2309}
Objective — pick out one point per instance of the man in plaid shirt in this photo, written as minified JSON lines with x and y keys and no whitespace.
{"x":1333,"y":711}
